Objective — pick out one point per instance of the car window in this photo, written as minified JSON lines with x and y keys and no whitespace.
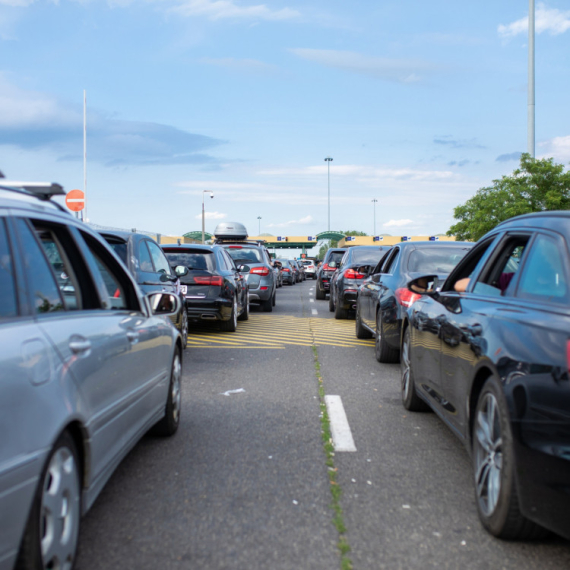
{"x":61,"y":266}
{"x":46,"y":297}
{"x":9,"y":304}
{"x":242,"y":254}
{"x":158,"y":258}
{"x":391,"y":262}
{"x":120,"y":248}
{"x":202,"y":260}
{"x":439,"y":259}
{"x":367,"y":256}
{"x":336,"y":256}
{"x":544,"y":277}
{"x":145,"y":261}
{"x":495,"y":280}
{"x":229,"y":261}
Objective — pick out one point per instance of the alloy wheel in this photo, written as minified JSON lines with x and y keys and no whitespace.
{"x":175,"y":389}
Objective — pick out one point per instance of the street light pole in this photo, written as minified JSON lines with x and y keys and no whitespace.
{"x":328,"y":160}
{"x":531,"y":113}
{"x":259,"y":225}
{"x":203,"y":214}
{"x":374,"y":202}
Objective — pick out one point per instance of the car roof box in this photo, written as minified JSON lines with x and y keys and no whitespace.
{"x":230,"y":230}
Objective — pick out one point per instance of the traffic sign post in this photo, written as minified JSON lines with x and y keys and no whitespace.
{"x":75,"y":200}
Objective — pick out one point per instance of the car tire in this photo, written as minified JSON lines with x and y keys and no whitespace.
{"x":274,"y":298}
{"x":168,"y":425}
{"x":494,"y":469}
{"x":360,"y":330}
{"x":331,"y":302}
{"x":53,"y":524}
{"x":245,"y":314}
{"x":231,"y":324}
{"x":184,"y":329}
{"x":267,"y":305}
{"x":384,"y":352}
{"x":340,"y":312}
{"x":410,"y":399}
{"x":319,"y":295}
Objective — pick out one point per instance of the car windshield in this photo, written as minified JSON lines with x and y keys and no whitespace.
{"x":244,"y":254}
{"x":192,"y":260}
{"x":367,"y":256}
{"x":441,"y":259}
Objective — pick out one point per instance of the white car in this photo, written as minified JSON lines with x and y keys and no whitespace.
{"x":310,"y":268}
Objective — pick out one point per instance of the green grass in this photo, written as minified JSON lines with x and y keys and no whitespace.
{"x":336,"y":491}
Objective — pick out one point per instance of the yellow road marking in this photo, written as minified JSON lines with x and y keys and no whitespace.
{"x":277,"y":332}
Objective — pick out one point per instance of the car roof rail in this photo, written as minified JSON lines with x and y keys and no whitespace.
{"x":240,"y":241}
{"x":42,"y":190}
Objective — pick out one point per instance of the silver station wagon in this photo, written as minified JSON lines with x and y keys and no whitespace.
{"x":87,"y":365}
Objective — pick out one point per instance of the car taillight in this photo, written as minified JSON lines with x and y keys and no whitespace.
{"x":286,"y":270}
{"x":215,"y":280}
{"x":351,"y":274}
{"x":405,"y":297}
{"x":235,"y":247}
{"x":263,"y":271}
{"x":327,"y":268}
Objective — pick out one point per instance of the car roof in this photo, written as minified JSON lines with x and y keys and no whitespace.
{"x":187,"y":246}
{"x":556,"y":220}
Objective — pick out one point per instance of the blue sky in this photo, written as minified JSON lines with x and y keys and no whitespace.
{"x":419,"y":104}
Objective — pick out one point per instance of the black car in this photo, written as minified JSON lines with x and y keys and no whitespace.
{"x":493,"y":362}
{"x":354,"y":266}
{"x":384,"y":296}
{"x":325,"y":271}
{"x":287,"y":271}
{"x":213,"y":287}
{"x":150,"y":268}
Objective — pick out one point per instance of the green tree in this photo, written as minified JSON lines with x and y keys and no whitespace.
{"x":333,"y":243}
{"x":537,"y":185}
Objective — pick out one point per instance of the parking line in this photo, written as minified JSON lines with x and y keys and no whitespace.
{"x":340,"y":430}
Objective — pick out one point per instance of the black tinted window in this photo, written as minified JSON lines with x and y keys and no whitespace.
{"x":8,"y":306}
{"x":336,"y":256}
{"x":198,"y":260}
{"x":437,"y":259}
{"x":367,"y":256}
{"x":244,"y":254}
{"x":120,"y":248}
{"x":43,"y":287}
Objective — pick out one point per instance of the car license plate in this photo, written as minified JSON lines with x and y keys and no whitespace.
{"x":184,"y":289}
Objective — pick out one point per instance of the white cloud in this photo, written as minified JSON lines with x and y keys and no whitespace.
{"x":19,"y":3}
{"x":545,"y":20}
{"x":211,"y":216}
{"x":226,"y":9}
{"x":305,"y":220}
{"x":398,"y":70}
{"x":558,"y":147}
{"x":397,"y":223}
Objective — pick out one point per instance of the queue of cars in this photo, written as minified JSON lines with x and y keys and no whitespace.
{"x":89,"y":364}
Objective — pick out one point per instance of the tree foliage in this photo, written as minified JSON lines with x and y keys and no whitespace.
{"x":334,"y":243}
{"x":537,"y":185}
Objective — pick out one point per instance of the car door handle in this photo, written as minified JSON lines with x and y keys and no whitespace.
{"x":133,"y":337}
{"x":79,"y":344}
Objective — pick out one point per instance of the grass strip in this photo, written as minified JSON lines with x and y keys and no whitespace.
{"x":336,"y":491}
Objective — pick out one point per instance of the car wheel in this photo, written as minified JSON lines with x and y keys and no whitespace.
{"x":267,"y":305}
{"x":494,"y":468}
{"x":410,"y":398}
{"x":168,"y":425}
{"x":245,"y":315}
{"x":331,"y":301}
{"x":339,"y":312}
{"x":231,"y":324}
{"x":184,"y":328}
{"x":384,"y":352}
{"x":361,"y":331}
{"x":274,"y":300}
{"x":319,"y":295}
{"x":51,"y":535}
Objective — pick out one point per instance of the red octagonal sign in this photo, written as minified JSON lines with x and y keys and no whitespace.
{"x":75,"y":200}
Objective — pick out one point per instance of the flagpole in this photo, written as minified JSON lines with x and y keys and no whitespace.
{"x":84,"y":212}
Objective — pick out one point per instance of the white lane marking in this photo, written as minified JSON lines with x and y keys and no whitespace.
{"x":311,"y":300}
{"x":340,"y":430}
{"x":314,"y":311}
{"x":232,"y":392}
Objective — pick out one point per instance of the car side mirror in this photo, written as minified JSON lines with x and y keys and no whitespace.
{"x":163,"y":304}
{"x":244,"y":268}
{"x":181,"y":270}
{"x":332,"y":265}
{"x":376,"y":278}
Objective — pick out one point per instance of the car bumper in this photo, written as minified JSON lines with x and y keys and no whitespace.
{"x":209,"y":309}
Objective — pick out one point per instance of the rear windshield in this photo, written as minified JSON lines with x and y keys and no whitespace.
{"x":336,"y":256}
{"x":283,"y":261}
{"x":202,"y":260}
{"x":368,"y":256}
{"x":441,"y":259}
{"x":245,"y":254}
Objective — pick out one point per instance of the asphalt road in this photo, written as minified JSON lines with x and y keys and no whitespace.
{"x":244,"y":483}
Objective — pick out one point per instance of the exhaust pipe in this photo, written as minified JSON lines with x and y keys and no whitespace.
{"x":354,"y":307}
{"x":208,"y":317}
